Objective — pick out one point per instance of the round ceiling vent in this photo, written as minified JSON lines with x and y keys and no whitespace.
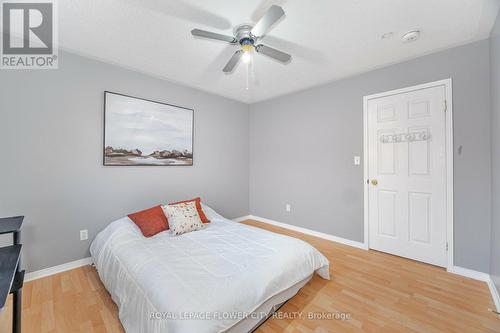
{"x":411,"y":36}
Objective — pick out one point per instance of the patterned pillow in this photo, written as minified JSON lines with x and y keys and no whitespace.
{"x":197,"y":200}
{"x":183,"y":218}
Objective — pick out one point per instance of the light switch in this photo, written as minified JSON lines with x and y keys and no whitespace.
{"x":288,"y":208}
{"x":357,"y":160}
{"x":84,"y":234}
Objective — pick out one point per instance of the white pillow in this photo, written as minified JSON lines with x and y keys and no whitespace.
{"x":183,"y":218}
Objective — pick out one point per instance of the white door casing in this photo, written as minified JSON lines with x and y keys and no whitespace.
{"x":407,"y":137}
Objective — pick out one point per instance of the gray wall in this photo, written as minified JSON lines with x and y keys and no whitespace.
{"x":51,"y":134}
{"x":300,"y":152}
{"x":302,"y":147}
{"x":495,"y":151}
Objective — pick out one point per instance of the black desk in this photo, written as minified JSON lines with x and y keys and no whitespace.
{"x":9,"y":258}
{"x":11,"y":224}
{"x":11,"y":275}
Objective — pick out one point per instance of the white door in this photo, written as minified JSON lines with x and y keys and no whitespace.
{"x":407,"y":174}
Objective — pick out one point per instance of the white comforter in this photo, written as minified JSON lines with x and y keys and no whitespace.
{"x":202,"y":281}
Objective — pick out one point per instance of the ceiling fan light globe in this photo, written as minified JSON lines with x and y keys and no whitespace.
{"x":246,"y":57}
{"x":247,"y":48}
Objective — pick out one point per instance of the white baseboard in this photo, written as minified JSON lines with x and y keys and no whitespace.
{"x":494,"y":294}
{"x":341,"y":240}
{"x":57,"y":269}
{"x":476,"y":275}
{"x":242,"y":218}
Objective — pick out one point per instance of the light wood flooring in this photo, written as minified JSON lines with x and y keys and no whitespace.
{"x":379,"y":292}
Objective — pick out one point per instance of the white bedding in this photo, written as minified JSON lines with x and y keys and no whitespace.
{"x":202,"y":281}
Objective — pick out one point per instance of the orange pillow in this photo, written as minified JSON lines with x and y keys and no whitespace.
{"x":151,"y":221}
{"x":197,"y":200}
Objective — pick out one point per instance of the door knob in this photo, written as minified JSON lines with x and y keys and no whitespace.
{"x":374,"y":182}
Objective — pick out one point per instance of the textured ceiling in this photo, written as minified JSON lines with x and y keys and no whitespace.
{"x":329,"y":39}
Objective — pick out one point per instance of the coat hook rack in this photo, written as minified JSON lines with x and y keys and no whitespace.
{"x":405,"y":137}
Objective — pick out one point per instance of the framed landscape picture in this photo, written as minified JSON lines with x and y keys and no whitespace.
{"x":141,"y":132}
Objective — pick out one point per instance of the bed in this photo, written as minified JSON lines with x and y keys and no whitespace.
{"x":227,"y":277}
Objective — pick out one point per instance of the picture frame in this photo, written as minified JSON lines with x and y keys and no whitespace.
{"x":143,"y":132}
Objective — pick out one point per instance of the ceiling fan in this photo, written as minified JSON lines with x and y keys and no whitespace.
{"x":247,"y":36}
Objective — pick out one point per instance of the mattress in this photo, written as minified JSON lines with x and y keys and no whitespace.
{"x":204,"y":281}
{"x":267,"y":309}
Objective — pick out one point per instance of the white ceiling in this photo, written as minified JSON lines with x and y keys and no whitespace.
{"x":329,"y":39}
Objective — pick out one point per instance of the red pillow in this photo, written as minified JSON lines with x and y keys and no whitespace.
{"x":151,"y":221}
{"x":197,"y":200}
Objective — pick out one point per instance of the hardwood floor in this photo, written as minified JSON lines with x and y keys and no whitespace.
{"x":377,"y":291}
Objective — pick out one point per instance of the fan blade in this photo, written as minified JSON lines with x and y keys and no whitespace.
{"x":272,"y":15}
{"x":273,"y":53}
{"x":213,"y":35}
{"x":233,"y":62}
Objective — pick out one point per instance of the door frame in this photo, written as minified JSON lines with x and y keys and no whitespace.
{"x":448,"y":107}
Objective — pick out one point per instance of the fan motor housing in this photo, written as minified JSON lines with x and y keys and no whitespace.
{"x":243,"y":34}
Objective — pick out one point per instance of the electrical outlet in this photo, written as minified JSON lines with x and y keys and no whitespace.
{"x":84,"y":234}
{"x":357,"y":160}
{"x":288,"y":208}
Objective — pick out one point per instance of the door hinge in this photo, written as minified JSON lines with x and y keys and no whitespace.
{"x":445,"y":105}
{"x":446,"y":246}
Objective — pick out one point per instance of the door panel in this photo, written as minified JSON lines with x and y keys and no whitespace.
{"x":419,"y":217}
{"x":386,"y":113}
{"x":406,"y":155}
{"x":387,"y":213}
{"x":419,"y":152}
{"x":387,"y":160}
{"x":419,"y":109}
